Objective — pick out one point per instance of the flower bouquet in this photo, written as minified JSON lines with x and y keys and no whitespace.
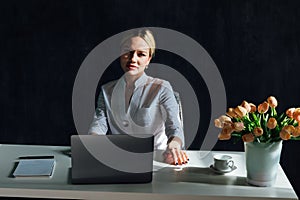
{"x":262,"y":130}
{"x":260,"y":123}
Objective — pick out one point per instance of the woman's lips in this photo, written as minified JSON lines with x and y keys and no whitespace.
{"x":132,"y":67}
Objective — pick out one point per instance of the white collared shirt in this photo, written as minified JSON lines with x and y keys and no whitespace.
{"x":152,"y":109}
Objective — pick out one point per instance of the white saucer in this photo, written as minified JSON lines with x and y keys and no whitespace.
{"x":223,"y":171}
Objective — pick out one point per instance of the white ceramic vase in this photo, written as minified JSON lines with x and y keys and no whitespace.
{"x":262,"y":162}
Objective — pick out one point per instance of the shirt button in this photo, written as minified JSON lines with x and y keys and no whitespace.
{"x":125,"y":123}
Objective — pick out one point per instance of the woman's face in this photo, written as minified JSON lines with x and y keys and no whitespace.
{"x":135,"y":56}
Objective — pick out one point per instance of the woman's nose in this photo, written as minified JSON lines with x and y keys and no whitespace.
{"x":134,"y":56}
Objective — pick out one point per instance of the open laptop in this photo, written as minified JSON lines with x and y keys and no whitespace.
{"x":111,"y":158}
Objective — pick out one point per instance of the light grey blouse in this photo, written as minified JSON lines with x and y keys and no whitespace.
{"x":152,"y":109}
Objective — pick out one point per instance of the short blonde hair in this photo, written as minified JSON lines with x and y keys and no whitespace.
{"x":146,"y":35}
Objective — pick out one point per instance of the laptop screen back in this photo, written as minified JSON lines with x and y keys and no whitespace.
{"x":112,"y":158}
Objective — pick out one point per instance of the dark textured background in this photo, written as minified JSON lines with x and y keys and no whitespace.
{"x":255,"y":45}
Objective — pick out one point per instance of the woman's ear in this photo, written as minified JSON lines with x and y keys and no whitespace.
{"x":149,"y":59}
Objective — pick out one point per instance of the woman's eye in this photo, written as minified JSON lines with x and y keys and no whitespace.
{"x":142,"y":54}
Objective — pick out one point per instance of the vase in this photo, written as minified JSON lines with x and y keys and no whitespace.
{"x":262,"y":162}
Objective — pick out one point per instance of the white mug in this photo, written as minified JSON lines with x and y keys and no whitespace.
{"x":223,"y":162}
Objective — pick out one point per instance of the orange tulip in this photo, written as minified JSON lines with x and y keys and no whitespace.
{"x":231,"y":113}
{"x":219,"y":123}
{"x":249,"y":137}
{"x":290,"y":112}
{"x":289,"y":128}
{"x":246,"y":105}
{"x":240,"y":111}
{"x":226,"y":132}
{"x":272,"y":102}
{"x":258,"y":131}
{"x":238,"y":126}
{"x":224,"y":136}
{"x":285,"y":135}
{"x":253,"y":108}
{"x":224,"y":119}
{"x":296,"y":114}
{"x":271,"y":123}
{"x":228,"y":128}
{"x":296,"y":133}
{"x":263,"y":108}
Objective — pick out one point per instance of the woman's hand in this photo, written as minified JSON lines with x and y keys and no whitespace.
{"x":174,"y":154}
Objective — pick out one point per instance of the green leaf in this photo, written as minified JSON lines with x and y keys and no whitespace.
{"x":259,"y":120}
{"x":236,"y":135}
{"x":295,"y":138}
{"x":280,"y":118}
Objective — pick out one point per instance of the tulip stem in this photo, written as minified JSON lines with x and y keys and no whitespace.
{"x":273,"y":112}
{"x":295,"y":138}
{"x":259,"y":119}
{"x":258,"y":140}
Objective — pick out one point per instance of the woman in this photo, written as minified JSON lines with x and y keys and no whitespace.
{"x":137,"y":103}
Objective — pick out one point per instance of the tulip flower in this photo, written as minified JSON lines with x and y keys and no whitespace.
{"x":296,"y":133}
{"x":272,"y":123}
{"x":290,"y":112}
{"x":253,"y":108}
{"x":296,"y":114}
{"x":240,"y":111}
{"x":258,"y":131}
{"x":226,"y":132}
{"x":285,"y":135}
{"x":219,"y":123}
{"x":249,"y":137}
{"x":238,"y":126}
{"x":224,"y":119}
{"x":272,"y":102}
{"x":231,"y":113}
{"x":263,"y":108}
{"x":289,"y":128}
{"x":246,"y":105}
{"x":228,"y":128}
{"x":224,"y":136}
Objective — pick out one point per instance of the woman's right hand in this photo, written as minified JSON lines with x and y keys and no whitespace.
{"x":174,"y":154}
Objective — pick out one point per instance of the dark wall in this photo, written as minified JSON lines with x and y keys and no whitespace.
{"x":255,"y":45}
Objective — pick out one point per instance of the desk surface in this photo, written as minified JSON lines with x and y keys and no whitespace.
{"x":193,"y":181}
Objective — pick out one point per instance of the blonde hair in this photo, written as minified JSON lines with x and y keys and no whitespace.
{"x":146,"y":35}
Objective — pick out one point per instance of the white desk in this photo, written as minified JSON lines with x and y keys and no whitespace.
{"x":194,"y":181}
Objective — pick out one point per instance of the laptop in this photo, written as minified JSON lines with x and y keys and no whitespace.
{"x":110,"y":159}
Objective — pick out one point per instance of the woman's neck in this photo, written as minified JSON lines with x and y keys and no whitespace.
{"x":130,"y":80}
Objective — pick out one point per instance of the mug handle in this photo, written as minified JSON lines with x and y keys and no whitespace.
{"x":230,"y":164}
